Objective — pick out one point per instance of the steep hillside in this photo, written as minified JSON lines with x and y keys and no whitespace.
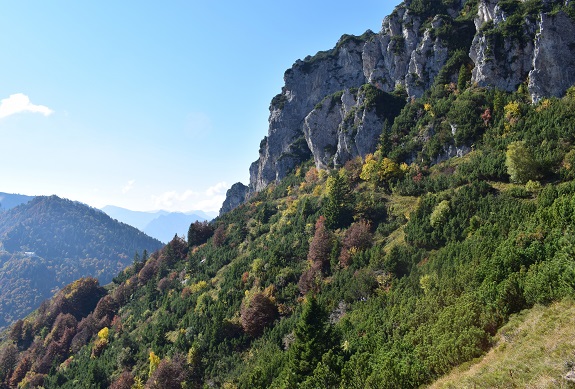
{"x":448,"y":208}
{"x":534,"y":350}
{"x":49,"y":242}
{"x":377,"y":275}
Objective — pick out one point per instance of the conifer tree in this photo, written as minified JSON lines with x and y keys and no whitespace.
{"x":464,"y":77}
{"x":384,"y":146}
{"x":313,"y":338}
{"x":338,"y":206}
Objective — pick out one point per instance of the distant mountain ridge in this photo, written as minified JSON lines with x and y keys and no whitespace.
{"x":10,"y":200}
{"x":162,"y":225}
{"x":49,"y":242}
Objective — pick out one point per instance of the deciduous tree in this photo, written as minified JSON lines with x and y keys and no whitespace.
{"x":521,"y":166}
{"x":257,"y":313}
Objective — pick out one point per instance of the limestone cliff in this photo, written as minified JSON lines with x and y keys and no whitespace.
{"x":326,"y":108}
{"x":306,"y":84}
{"x":348,"y":124}
{"x":235,"y":196}
{"x":537,"y":49}
{"x":405,"y":54}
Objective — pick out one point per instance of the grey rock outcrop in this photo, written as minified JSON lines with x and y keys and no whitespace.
{"x":553,"y":70}
{"x":343,"y":126}
{"x":306,"y":84}
{"x":500,"y":63}
{"x":321,"y":111}
{"x":401,"y":55}
{"x":235,"y":196}
{"x":540,"y":53}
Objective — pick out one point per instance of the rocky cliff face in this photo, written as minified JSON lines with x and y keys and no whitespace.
{"x":326,"y":110}
{"x":347,"y":124}
{"x":553,"y":65}
{"x":403,"y":55}
{"x":306,"y":84}
{"x":235,"y":196}
{"x":538,"y":49}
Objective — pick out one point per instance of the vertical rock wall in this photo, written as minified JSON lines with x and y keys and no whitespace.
{"x":322,"y":111}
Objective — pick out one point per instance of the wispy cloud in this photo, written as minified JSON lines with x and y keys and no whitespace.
{"x":173,"y":200}
{"x":19,"y":103}
{"x":128,"y":187}
{"x":208,"y":200}
{"x":219,"y":188}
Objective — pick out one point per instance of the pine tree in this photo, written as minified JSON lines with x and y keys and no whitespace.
{"x":464,"y":77}
{"x":313,"y":338}
{"x":384,"y":146}
{"x":337,"y":210}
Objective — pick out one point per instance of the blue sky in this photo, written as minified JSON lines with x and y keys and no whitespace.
{"x":146,"y":104}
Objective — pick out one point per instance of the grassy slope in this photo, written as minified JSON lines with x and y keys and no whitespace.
{"x":534,"y":350}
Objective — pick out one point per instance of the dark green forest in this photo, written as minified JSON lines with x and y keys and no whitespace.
{"x":64,"y":240}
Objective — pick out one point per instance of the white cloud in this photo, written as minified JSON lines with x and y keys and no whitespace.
{"x":219,"y":188}
{"x":209,"y":200}
{"x":173,"y":201}
{"x":212,"y":204}
{"x":18,"y":103}
{"x":128,"y":187}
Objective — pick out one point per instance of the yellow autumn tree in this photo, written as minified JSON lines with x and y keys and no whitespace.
{"x":379,"y":170}
{"x":388,"y":170}
{"x":512,"y":112}
{"x":103,"y":334}
{"x":154,"y":362}
{"x":369,"y":169}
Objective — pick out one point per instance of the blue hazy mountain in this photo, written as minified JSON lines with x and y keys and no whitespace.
{"x":162,"y":225}
{"x":9,"y":200}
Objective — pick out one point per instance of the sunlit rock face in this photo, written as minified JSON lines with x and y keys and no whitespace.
{"x":322,"y":113}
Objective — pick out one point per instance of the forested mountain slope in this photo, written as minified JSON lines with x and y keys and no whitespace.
{"x":386,"y":272}
{"x":380,"y":274}
{"x":49,"y":242}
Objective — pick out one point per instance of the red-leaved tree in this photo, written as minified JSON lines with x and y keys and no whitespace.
{"x":257,"y":313}
{"x":320,"y":246}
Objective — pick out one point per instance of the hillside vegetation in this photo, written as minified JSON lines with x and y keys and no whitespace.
{"x":390,"y":271}
{"x":386,"y":273}
{"x":49,"y":242}
{"x":533,"y":350}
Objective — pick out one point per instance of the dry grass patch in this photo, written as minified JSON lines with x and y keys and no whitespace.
{"x":403,"y":205}
{"x":534,"y":350}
